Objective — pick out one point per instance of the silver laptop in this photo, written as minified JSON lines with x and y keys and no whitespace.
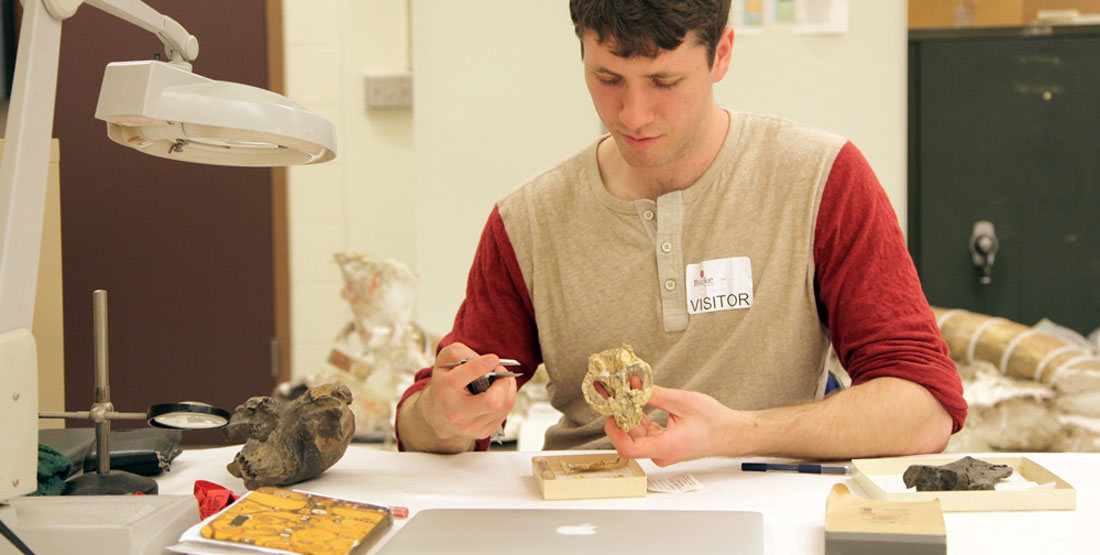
{"x":573,"y":531}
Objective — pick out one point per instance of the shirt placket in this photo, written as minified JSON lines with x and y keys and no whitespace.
{"x":668,"y":249}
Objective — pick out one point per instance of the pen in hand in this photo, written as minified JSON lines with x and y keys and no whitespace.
{"x":800,"y":468}
{"x":503,"y":362}
{"x":482,"y":383}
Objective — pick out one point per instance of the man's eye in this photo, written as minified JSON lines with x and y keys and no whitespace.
{"x":665,"y":84}
{"x":609,"y":81}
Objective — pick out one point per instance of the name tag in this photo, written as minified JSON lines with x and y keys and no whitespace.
{"x":723,"y":284}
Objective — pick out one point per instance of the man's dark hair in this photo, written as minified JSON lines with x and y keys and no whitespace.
{"x":645,"y":27}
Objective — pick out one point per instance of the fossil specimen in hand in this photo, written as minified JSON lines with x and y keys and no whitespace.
{"x":611,"y":371}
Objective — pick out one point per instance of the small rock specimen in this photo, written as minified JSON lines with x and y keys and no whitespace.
{"x":612,"y":369}
{"x":289,"y":442}
{"x":966,"y":473}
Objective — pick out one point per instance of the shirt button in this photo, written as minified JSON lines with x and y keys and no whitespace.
{"x":670,"y":284}
{"x":648,"y":215}
{"x":666,"y":247}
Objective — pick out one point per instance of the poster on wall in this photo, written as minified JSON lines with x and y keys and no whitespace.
{"x":822,"y":16}
{"x":786,"y":12}
{"x":751,"y":17}
{"x":747,"y":16}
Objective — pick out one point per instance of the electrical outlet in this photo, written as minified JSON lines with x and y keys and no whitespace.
{"x":389,"y":90}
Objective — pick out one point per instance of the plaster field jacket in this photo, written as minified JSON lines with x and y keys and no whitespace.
{"x":732,"y":287}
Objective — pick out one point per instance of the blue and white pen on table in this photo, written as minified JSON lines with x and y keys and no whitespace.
{"x":800,"y":468}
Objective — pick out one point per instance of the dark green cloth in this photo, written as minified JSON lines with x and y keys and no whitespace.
{"x":53,"y":468}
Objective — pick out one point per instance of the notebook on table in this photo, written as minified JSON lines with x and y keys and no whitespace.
{"x":574,"y":531}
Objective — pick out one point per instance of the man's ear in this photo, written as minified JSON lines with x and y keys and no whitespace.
{"x":722,"y":53}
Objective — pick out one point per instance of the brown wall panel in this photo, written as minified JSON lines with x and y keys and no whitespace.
{"x":185,"y":251}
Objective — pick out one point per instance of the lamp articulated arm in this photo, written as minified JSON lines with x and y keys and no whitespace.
{"x":181,"y":46}
{"x":27,"y":139}
{"x":25,"y":163}
{"x":23,"y":176}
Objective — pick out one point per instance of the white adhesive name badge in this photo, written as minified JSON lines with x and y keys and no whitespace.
{"x":723,"y":284}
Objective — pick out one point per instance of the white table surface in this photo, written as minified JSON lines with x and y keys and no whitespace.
{"x":793,"y":504}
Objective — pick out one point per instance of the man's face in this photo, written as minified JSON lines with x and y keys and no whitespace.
{"x":655,"y":108}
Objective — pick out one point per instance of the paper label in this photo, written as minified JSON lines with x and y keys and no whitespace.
{"x":675,"y":484}
{"x":722,"y":284}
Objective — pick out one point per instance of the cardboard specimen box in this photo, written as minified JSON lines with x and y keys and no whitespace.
{"x":866,"y":526}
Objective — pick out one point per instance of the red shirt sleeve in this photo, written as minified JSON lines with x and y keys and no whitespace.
{"x":868,"y":291}
{"x":497,"y":315}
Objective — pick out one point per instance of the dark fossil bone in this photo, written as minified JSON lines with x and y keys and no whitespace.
{"x":291,"y":441}
{"x":966,"y":473}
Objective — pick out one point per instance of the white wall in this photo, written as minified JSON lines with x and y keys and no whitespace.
{"x":854,"y":84}
{"x":498,"y":97}
{"x":364,"y":200}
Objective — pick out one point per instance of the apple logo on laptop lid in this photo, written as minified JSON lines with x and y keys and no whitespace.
{"x":585,"y":529}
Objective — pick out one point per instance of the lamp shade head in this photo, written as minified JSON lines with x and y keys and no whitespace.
{"x":165,"y":110}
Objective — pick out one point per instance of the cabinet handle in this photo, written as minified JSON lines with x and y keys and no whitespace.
{"x":983,"y":248}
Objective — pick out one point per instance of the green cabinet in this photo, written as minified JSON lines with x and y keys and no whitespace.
{"x":1004,"y":127}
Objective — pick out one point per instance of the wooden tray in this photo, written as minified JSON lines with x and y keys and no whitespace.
{"x":557,"y":477}
{"x":870,"y":474}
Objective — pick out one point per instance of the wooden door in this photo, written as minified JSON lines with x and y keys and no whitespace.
{"x":185,"y":251}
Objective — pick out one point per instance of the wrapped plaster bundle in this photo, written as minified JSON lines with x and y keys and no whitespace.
{"x":381,"y":349}
{"x":377,"y":353}
{"x":381,"y":295}
{"x":1028,"y":390}
{"x":1081,"y":434}
{"x":1019,"y":351}
{"x":1084,"y":403}
{"x":1006,"y":414}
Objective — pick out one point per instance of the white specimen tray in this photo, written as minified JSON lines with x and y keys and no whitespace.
{"x":881,"y":479}
{"x":116,"y":524}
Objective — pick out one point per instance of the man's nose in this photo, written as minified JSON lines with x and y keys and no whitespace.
{"x":637,"y":108}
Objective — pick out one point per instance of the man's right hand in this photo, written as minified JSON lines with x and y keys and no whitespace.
{"x":453,"y":415}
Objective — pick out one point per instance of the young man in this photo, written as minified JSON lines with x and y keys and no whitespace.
{"x":726,"y":248}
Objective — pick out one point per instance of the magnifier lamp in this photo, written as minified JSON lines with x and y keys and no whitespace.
{"x":157,"y":107}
